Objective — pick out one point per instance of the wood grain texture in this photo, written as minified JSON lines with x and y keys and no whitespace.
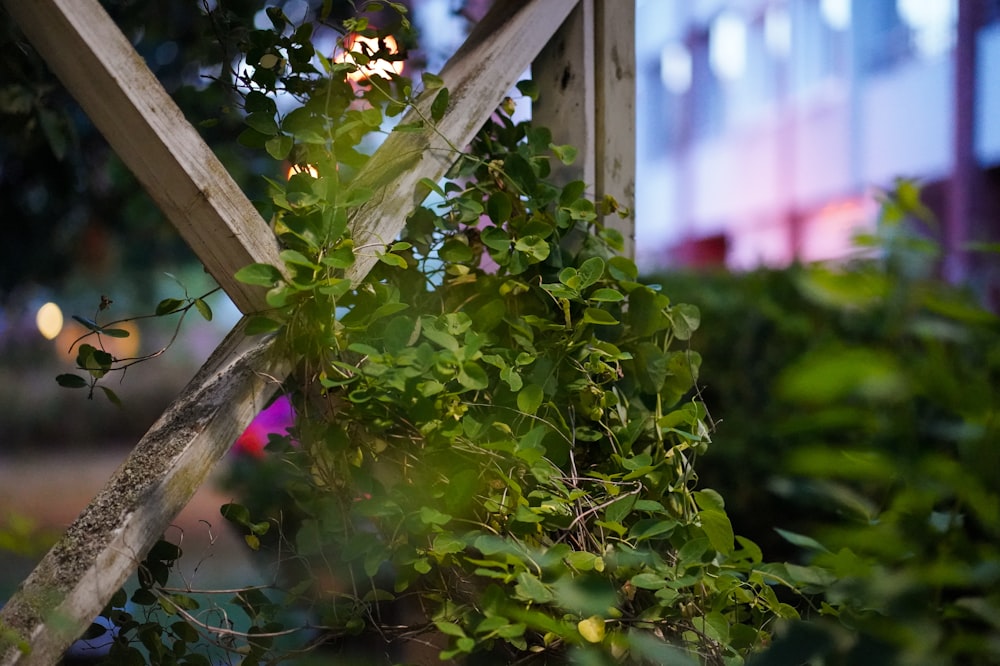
{"x":614,"y":105}
{"x":586,"y":76}
{"x":564,"y":73}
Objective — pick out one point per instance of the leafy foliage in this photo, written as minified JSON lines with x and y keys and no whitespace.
{"x":497,"y":426}
{"x":872,"y":387}
{"x":97,"y":362}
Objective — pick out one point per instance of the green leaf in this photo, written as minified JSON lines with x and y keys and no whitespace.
{"x":263,"y":123}
{"x":605,"y":295}
{"x":649,"y":528}
{"x":356,"y":196}
{"x":55,"y":132}
{"x":296,"y":258}
{"x":623,"y":269}
{"x":342,"y":257}
{"x":529,"y":399}
{"x":565,"y":154}
{"x":236,"y":513}
{"x":801,"y":540}
{"x":264,"y":275}
{"x":598,"y":316}
{"x":648,"y":581}
{"x":530,"y":588}
{"x":391,"y":259}
{"x":572,"y":192}
{"x":115,"y":332}
{"x":429,"y":186}
{"x":280,"y":146}
{"x":440,"y":105}
{"x":718,"y":529}
{"x":450,"y":629}
{"x":258,"y":325}
{"x":168,"y":305}
{"x":89,"y":323}
{"x":686,"y":319}
{"x":431,"y":516}
{"x":203,"y":309}
{"x":499,"y":207}
{"x":534,"y":246}
{"x":592,"y":629}
{"x":111,"y":396}
{"x":431,"y":81}
{"x":709,"y":499}
{"x":472,"y":376}
{"x":258,"y":102}
{"x":620,"y":508}
{"x":528,"y":88}
{"x":415,"y":126}
{"x":71,"y":381}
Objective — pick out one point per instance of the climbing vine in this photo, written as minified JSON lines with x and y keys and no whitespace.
{"x":498,"y":428}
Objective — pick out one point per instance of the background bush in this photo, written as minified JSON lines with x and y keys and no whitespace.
{"x":856,"y":413}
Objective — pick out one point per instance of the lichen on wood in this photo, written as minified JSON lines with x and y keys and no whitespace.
{"x":98,"y":552}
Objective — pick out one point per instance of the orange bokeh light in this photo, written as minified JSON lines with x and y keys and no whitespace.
{"x":367,"y":46}
{"x":72,"y":334}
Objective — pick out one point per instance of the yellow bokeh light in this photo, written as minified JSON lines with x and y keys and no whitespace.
{"x":368,"y":46}
{"x":302,"y":168}
{"x":49,"y":320}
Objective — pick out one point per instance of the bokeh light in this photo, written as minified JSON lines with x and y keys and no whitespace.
{"x":367,"y":46}
{"x":49,"y":320}
{"x":302,"y":168}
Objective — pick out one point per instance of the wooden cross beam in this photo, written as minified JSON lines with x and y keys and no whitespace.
{"x":77,"y":578}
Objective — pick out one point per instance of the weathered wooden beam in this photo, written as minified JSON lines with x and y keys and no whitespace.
{"x":614,"y":103}
{"x":78,"y":576}
{"x":586,"y":75}
{"x":478,"y":76}
{"x":564,"y":73}
{"x":102,"y":548}
{"x":98,"y":65}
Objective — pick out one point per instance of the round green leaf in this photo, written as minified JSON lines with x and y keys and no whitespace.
{"x":71,"y":381}
{"x":263,"y":275}
{"x":529,"y":399}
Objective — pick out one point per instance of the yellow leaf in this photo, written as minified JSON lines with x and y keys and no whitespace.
{"x":592,"y":629}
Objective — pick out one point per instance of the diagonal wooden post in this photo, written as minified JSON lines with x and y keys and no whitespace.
{"x":77,"y":578}
{"x":492,"y":59}
{"x":99,"y":67}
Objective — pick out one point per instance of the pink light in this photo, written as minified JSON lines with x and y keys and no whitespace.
{"x":276,"y":419}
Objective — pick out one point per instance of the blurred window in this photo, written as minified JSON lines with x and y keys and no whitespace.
{"x":819,"y":41}
{"x":931,"y":25}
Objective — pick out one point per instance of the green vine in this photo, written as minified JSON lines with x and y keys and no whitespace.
{"x":498,"y":427}
{"x":97,"y":362}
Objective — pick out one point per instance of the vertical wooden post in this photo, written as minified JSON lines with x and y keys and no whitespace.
{"x":614,"y":110}
{"x":587,"y":77}
{"x":564,"y":74}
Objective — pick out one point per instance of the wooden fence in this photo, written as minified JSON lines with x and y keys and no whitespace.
{"x":582,"y":55}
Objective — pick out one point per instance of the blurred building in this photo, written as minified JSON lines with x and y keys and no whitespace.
{"x":765,"y":126}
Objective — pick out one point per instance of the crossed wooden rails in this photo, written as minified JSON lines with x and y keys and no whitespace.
{"x":586,"y":71}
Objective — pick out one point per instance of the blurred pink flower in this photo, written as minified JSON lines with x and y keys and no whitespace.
{"x":277,"y":418}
